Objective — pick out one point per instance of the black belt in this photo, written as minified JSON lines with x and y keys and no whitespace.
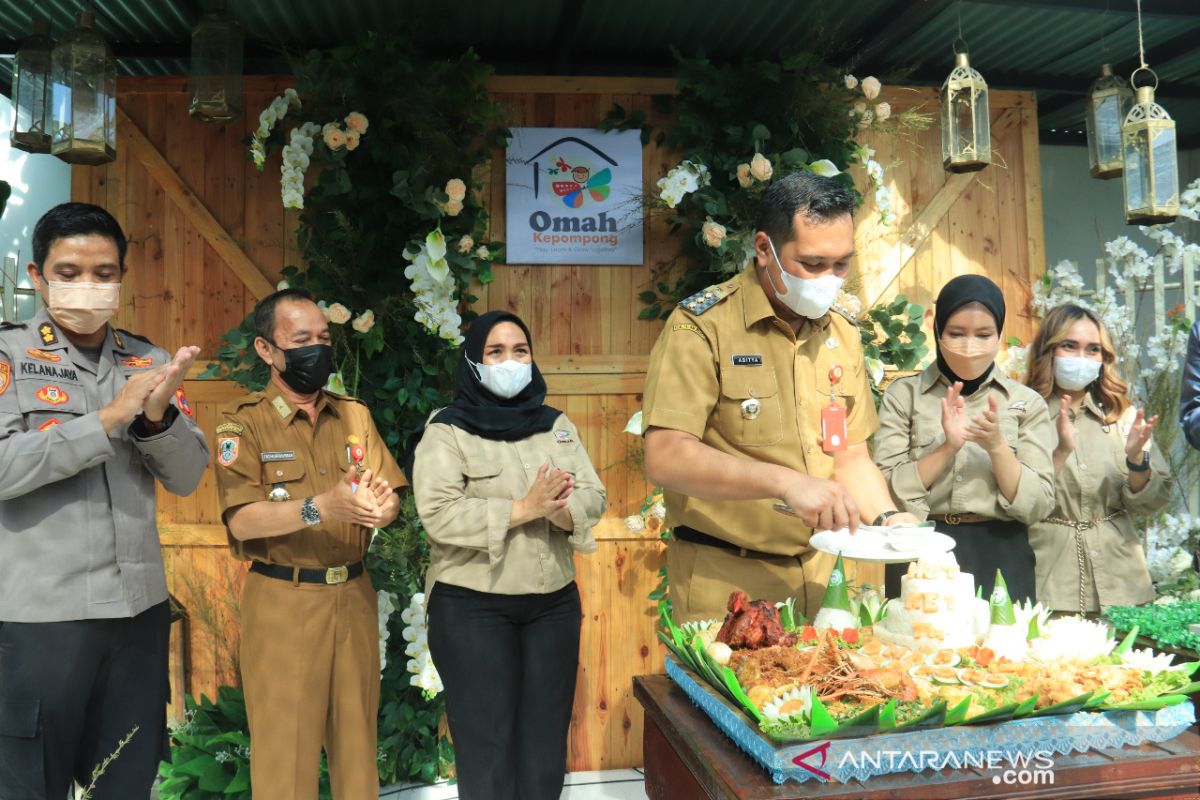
{"x":686,"y":534}
{"x":332,"y":575}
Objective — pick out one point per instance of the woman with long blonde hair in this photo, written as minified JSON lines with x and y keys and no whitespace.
{"x":1088,"y":556}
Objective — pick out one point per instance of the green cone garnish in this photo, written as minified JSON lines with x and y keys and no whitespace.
{"x":1001,"y":604}
{"x":836,"y":595}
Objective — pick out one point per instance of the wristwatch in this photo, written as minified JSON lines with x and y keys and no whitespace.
{"x":309,"y":513}
{"x":1142,"y":467}
{"x":880,"y":519}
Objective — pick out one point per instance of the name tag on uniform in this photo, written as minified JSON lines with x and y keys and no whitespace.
{"x":833,"y":428}
{"x":747,"y":361}
{"x":279,"y":455}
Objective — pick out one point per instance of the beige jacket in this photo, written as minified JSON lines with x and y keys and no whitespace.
{"x":465,"y":485}
{"x":910,"y":426}
{"x":1105,"y":561}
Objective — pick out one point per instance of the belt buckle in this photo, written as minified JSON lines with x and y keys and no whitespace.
{"x":953,"y":519}
{"x":335,"y":575}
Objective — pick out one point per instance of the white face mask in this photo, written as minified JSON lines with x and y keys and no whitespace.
{"x":808,"y":297}
{"x":1074,"y":373}
{"x":506,"y":379}
{"x":83,"y":307}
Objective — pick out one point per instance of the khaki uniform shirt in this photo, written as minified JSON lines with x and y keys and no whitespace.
{"x":910,"y":426}
{"x":264,"y":443}
{"x":78,"y":538}
{"x":725,"y":346}
{"x":465,"y":485}
{"x":1106,"y":561}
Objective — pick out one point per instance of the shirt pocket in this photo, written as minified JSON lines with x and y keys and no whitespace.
{"x":285,"y":475}
{"x":485,"y":478}
{"x":742,"y":390}
{"x":45,"y":403}
{"x":924,"y":435}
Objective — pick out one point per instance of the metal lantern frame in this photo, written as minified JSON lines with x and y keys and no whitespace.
{"x":218,"y":43}
{"x":1151,"y":162}
{"x":1108,"y":102}
{"x":97,"y":144}
{"x":31,"y":90}
{"x":966,"y":121}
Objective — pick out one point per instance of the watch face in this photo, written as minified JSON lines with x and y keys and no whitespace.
{"x":309,"y":513}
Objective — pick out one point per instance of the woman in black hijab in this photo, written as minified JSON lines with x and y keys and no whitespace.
{"x":967,"y":446}
{"x":507,"y":495}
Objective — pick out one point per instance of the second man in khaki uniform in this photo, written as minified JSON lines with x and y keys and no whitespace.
{"x":733,"y":406}
{"x":304,"y":477}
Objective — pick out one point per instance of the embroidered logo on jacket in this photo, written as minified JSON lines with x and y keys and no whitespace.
{"x":52,"y":395}
{"x":43,"y":355}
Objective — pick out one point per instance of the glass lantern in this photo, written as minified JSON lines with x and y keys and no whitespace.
{"x":966,"y":125}
{"x":216,"y":81}
{"x":83,"y":99}
{"x":1108,"y":101}
{"x":1151,"y":168}
{"x":30,"y":95}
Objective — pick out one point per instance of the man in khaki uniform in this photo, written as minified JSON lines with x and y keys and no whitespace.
{"x":304,"y":477}
{"x":733,"y":412}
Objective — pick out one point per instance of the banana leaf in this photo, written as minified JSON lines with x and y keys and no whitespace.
{"x":1190,"y":666}
{"x":864,"y":723}
{"x":1191,"y":688}
{"x":675,"y":651}
{"x":998,"y":714}
{"x":1126,"y":644}
{"x":1026,"y":708}
{"x":729,"y":678}
{"x":932,"y":718}
{"x":823,"y":724}
{"x":1098,"y":699}
{"x":1065,"y":707}
{"x":707,"y":667}
{"x":1151,"y":704}
{"x":955,"y":716}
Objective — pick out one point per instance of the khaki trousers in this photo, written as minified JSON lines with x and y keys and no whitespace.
{"x":701,"y":579}
{"x":310,"y":670}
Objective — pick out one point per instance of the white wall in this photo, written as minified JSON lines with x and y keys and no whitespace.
{"x":39,"y":182}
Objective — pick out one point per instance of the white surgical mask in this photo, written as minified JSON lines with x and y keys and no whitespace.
{"x":1074,"y":373}
{"x":506,"y":379}
{"x":83,"y":307}
{"x":808,"y":297}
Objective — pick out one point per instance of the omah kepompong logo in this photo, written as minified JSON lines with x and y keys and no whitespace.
{"x":579,"y":178}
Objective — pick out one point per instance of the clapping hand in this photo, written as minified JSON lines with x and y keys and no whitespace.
{"x":172,"y":378}
{"x":1066,"y":431}
{"x":1139,"y":436}
{"x":984,"y":429}
{"x":954,"y":418}
{"x":343,"y":503}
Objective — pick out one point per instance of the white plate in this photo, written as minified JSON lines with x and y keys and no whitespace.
{"x":882,"y":545}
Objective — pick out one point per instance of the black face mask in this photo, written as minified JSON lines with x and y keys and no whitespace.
{"x":306,"y":369}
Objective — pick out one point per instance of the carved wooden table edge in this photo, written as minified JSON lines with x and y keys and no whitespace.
{"x":687,"y":757}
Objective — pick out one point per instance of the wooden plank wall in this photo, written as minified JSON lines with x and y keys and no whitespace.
{"x":583,"y":319}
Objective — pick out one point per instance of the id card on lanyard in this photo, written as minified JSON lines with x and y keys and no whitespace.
{"x":833,"y":417}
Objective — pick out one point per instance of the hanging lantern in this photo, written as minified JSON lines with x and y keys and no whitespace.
{"x":217,"y":67}
{"x":1108,"y":101}
{"x":30,"y":95}
{"x":966,"y":126}
{"x":83,"y":100}
{"x":1151,"y":168}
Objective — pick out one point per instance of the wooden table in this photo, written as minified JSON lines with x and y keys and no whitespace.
{"x":688,"y":758}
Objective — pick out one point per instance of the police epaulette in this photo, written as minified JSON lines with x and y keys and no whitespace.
{"x":704,"y":299}
{"x":134,"y":336}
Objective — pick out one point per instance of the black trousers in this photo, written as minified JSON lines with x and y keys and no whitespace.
{"x":508,"y":663}
{"x":70,"y":692}
{"x":980,"y":549}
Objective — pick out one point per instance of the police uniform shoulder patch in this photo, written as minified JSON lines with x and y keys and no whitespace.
{"x":705,"y":299}
{"x":227,"y":450}
{"x":232,"y":428}
{"x":5,"y":376}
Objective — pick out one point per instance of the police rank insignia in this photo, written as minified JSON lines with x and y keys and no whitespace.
{"x":138,"y":363}
{"x":182,"y":402}
{"x":52,"y":395}
{"x":43,"y":355}
{"x":563,"y":437}
{"x":48,"y":424}
{"x":46,"y":331}
{"x":227,"y":450}
{"x":5,"y":376}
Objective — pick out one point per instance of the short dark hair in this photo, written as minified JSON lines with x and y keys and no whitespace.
{"x":75,"y":219}
{"x":264,"y":312}
{"x":817,"y":197}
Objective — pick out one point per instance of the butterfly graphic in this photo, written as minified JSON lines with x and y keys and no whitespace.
{"x":582,"y":184}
